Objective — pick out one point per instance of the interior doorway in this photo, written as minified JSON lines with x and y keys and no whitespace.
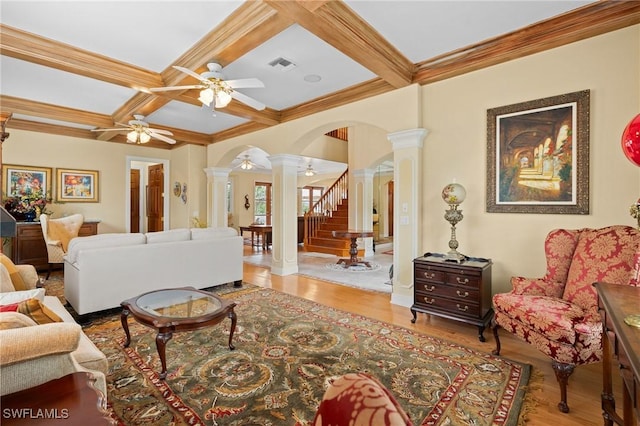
{"x":137,"y":203}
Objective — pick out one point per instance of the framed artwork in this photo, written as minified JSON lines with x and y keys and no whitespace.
{"x":538,"y":156}
{"x":77,"y":186}
{"x":22,"y":180}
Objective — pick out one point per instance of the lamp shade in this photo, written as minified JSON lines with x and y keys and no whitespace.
{"x":454,"y":194}
{"x":631,"y":140}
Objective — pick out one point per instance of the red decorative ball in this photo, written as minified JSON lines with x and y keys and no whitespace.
{"x":631,"y":140}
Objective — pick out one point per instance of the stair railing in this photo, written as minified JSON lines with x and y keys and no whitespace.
{"x":325,"y":206}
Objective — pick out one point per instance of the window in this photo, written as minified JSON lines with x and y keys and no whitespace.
{"x":262,"y":203}
{"x":310,"y":194}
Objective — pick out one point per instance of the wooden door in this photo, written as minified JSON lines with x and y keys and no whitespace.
{"x":134,"y":214}
{"x":390,"y":204}
{"x":155,"y":198}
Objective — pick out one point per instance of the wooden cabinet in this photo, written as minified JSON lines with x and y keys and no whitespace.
{"x":28,"y":246}
{"x":457,"y":291}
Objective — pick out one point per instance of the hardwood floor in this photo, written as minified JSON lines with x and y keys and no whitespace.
{"x":584,"y":385}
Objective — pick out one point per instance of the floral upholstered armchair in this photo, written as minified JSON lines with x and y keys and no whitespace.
{"x":359,"y":399}
{"x":558,"y":314}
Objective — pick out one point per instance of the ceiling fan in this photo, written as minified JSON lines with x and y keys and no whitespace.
{"x":138,"y":131}
{"x":246,"y":163}
{"x":216,"y":90}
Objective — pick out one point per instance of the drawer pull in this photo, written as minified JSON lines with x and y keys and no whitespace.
{"x":433,"y":287}
{"x":465,"y":309}
{"x":428,"y":301}
{"x":429,"y":275}
{"x":465,"y":281}
{"x":465,"y":294}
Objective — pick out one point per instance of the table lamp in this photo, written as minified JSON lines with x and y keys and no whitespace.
{"x":453,"y":194}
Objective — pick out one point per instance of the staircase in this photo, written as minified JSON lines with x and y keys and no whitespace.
{"x":330,"y":213}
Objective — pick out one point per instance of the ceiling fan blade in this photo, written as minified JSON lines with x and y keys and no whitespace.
{"x":191,"y":73}
{"x":164,"y":89}
{"x":161,"y":131}
{"x":118,"y":129}
{"x":248,"y":100}
{"x":244,"y":83}
{"x":158,"y":136}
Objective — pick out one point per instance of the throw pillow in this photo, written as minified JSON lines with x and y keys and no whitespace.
{"x":59,"y":231}
{"x":19,"y":296}
{"x":16,"y":278}
{"x":34,"y":309}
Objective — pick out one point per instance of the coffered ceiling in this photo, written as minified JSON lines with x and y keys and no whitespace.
{"x":68,"y":67}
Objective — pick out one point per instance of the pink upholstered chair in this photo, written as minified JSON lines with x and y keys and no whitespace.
{"x":558,"y":314}
{"x":357,"y":399}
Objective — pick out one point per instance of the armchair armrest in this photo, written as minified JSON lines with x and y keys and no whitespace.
{"x":536,"y":287}
{"x":29,"y":275}
{"x":33,"y":355}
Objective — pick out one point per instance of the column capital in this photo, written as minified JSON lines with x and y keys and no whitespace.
{"x":412,"y":138}
{"x":284,"y":160}
{"x":221,"y":172}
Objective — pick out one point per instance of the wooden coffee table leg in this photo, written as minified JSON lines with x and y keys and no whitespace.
{"x":234,"y":319}
{"x":161,"y":343}
{"x":125,"y":325}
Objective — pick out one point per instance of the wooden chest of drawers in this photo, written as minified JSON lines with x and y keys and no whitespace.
{"x":458,"y":291}
{"x":28,"y":246}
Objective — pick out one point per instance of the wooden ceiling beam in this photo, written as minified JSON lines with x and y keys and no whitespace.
{"x":588,"y":21}
{"x":337,"y":24}
{"x":54,"y":54}
{"x":54,"y":112}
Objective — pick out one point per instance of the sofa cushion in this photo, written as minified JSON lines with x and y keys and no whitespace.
{"x":6,"y":285}
{"x":16,"y":278}
{"x":172,"y":235}
{"x":212,"y":233}
{"x":19,"y":296}
{"x":101,"y":241}
{"x":9,"y":320}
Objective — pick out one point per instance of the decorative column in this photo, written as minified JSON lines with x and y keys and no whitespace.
{"x":284,"y":214}
{"x":407,"y":204}
{"x":361,"y":205}
{"x":217,"y":178}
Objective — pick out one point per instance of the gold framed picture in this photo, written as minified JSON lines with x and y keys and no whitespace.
{"x":23,"y":180}
{"x":77,"y":186}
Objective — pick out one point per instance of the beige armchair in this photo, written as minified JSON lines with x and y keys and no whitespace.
{"x":57,"y":233}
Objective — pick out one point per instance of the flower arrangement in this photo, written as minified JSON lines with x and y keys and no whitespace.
{"x":634,"y":211}
{"x":32,"y":203}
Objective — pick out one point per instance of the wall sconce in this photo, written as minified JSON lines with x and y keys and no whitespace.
{"x":246,"y":202}
{"x":454,"y":194}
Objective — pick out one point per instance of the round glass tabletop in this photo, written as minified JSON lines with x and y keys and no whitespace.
{"x":179,"y":303}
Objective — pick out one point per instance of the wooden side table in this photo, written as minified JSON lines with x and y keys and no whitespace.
{"x":70,"y":401}
{"x":353,"y":249}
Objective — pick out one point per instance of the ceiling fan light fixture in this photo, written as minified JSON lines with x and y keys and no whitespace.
{"x":144,"y":137}
{"x":132,"y":136}
{"x":222,"y":99}
{"x":246,"y":164}
{"x":309,"y":171}
{"x":206,"y":96}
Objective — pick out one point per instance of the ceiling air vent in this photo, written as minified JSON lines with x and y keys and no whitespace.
{"x":282,"y":64}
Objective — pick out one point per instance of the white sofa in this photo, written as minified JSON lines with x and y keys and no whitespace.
{"x":100,"y":271}
{"x":32,"y":354}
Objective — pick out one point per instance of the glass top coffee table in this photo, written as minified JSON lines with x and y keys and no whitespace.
{"x":176,"y":309}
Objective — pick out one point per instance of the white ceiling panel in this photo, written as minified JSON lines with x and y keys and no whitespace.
{"x":198,"y":119}
{"x":36,"y":82}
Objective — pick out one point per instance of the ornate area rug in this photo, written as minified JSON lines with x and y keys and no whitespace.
{"x":286,"y":350}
